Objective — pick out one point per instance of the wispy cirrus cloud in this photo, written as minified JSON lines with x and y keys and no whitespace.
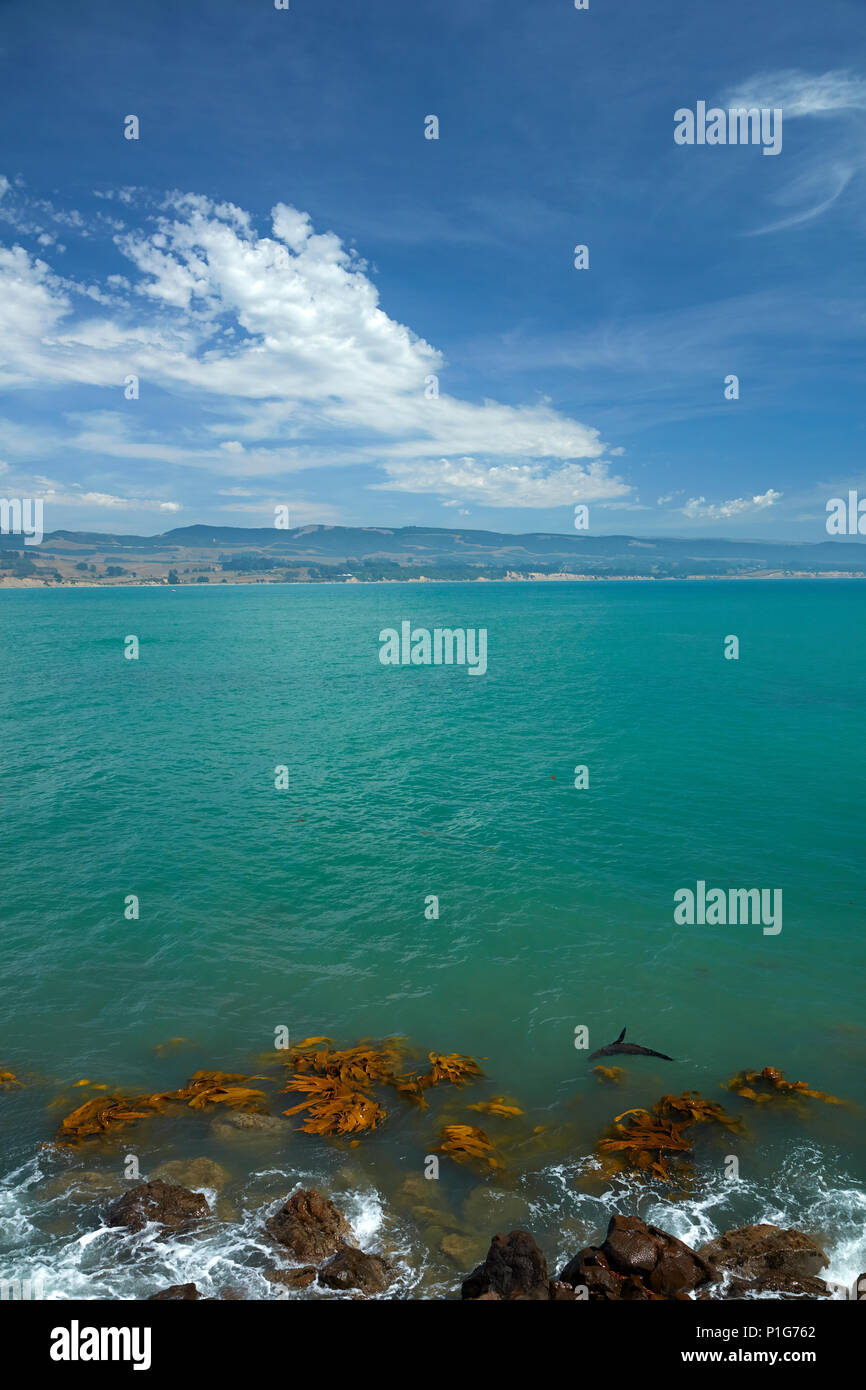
{"x":825,"y":173}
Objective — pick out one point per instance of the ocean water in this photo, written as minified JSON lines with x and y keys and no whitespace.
{"x":304,"y":907}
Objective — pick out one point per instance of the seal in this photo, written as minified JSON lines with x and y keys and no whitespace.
{"x":620,"y":1048}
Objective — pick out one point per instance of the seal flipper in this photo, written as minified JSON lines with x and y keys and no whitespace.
{"x":621,"y":1036}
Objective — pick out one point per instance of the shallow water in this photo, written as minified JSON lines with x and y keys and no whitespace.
{"x":304,"y":908}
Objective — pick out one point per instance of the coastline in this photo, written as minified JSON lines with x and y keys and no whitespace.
{"x":533,"y":578}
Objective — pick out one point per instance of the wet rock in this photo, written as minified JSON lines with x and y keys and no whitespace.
{"x":175,"y":1291}
{"x":768,"y":1259}
{"x":310,"y":1226}
{"x":243,"y":1124}
{"x":354,"y":1269}
{"x":194,"y":1173}
{"x":292,"y":1278}
{"x":561,"y":1293}
{"x":167,"y":1203}
{"x":514,"y":1268}
{"x":638,"y":1262}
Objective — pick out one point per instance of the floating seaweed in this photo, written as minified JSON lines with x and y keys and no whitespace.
{"x":102,"y":1114}
{"x":364,"y":1064}
{"x":498,"y":1105}
{"x":9,"y":1081}
{"x":454,"y":1068}
{"x":339,"y":1082}
{"x":692,"y":1108}
{"x":206,"y":1088}
{"x":609,"y":1076}
{"x":650,"y":1138}
{"x":334,"y":1107}
{"x":770,"y":1084}
{"x":468,"y":1144}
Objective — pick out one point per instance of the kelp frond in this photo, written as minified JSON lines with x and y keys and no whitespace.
{"x":497,"y":1105}
{"x":333,"y":1107}
{"x":468,"y":1144}
{"x":770,"y":1084}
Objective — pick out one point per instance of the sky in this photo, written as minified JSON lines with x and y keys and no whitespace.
{"x":282,"y":293}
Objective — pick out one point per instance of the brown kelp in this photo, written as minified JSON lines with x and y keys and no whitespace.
{"x":100,"y":1115}
{"x":650,"y":1139}
{"x":497,"y":1105}
{"x":609,"y":1076}
{"x":334,"y":1106}
{"x":9,"y":1081}
{"x":339,"y":1083}
{"x":769,"y":1084}
{"x":468,"y":1144}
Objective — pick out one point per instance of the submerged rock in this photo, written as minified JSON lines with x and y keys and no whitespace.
{"x":639,"y":1262}
{"x":245,"y":1124}
{"x":310,"y":1226}
{"x":461,"y":1249}
{"x":768,"y":1259}
{"x":514,"y":1268}
{"x":82,"y":1185}
{"x":354,"y":1269}
{"x":167,"y":1203}
{"x":193,"y":1173}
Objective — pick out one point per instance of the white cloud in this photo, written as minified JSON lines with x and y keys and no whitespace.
{"x":504,"y":484}
{"x":801,"y":93}
{"x":105,"y":500}
{"x":699,"y":509}
{"x":827,"y":173}
{"x":284,"y":334}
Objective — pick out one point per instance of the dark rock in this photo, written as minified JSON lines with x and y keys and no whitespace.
{"x":561,"y":1293}
{"x":768,"y":1259}
{"x":514,"y":1268}
{"x":292,"y":1278}
{"x":353,"y":1269}
{"x":310,"y":1226}
{"x":638,"y":1262}
{"x":175,"y":1291}
{"x":164,"y":1202}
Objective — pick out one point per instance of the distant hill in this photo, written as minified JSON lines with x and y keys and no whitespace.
{"x":189,"y":553}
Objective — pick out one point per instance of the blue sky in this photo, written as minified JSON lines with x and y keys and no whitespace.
{"x":284,"y":261}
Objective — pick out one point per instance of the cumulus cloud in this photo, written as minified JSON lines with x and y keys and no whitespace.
{"x":504,"y":484}
{"x":699,"y":509}
{"x":282,"y":336}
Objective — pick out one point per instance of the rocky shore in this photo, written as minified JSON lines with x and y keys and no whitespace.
{"x":313,"y":1245}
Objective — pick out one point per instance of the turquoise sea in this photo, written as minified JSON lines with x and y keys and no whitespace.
{"x":305,"y":907}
